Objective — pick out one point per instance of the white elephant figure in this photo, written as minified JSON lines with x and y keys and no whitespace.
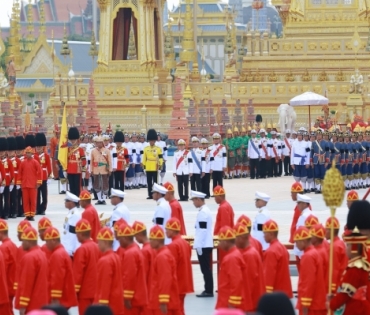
{"x":287,"y":117}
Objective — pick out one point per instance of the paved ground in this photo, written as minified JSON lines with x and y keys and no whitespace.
{"x":239,"y":192}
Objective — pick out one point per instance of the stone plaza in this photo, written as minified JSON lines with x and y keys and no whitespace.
{"x":239,"y":192}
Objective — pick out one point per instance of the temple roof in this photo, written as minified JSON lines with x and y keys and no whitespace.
{"x":207,"y":28}
{"x":205,"y":7}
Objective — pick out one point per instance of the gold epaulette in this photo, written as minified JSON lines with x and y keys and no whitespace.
{"x":359,"y":263}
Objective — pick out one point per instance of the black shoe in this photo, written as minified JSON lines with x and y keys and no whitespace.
{"x":30,"y":219}
{"x":286,"y":174}
{"x":41,"y":213}
{"x":317,"y":191}
{"x":99,"y":203}
{"x":225,"y":177}
{"x":13,"y":216}
{"x":145,"y":186}
{"x":149,"y":197}
{"x":204,"y":294}
{"x":21,"y":215}
{"x":103,"y":202}
{"x":230,"y":177}
{"x":244,"y":176}
{"x":63,"y":192}
{"x":312,"y":189}
{"x":206,"y":197}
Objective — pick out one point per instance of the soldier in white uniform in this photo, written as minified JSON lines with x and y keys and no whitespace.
{"x":120,"y":211}
{"x":144,"y":144}
{"x":160,"y":143}
{"x":300,"y":159}
{"x":137,"y":156}
{"x":287,"y":148}
{"x":130,"y":173}
{"x":264,"y":154}
{"x":254,"y":154}
{"x":69,"y":238}
{"x":218,"y":160}
{"x":203,"y":241}
{"x":111,"y":146}
{"x":275,"y":146}
{"x":182,"y":168}
{"x":196,"y":154}
{"x":162,"y":211}
{"x":303,"y":204}
{"x":262,"y":216}
{"x":206,"y":166}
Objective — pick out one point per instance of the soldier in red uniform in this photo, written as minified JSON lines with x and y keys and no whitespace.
{"x":85,"y":266}
{"x":163,"y":291}
{"x":231,"y":277}
{"x":340,"y":260}
{"x":76,"y":162}
{"x":148,"y":252}
{"x":42,"y":226}
{"x":54,"y":143}
{"x":5,"y":307}
{"x":44,"y":159}
{"x":181,"y":250}
{"x":30,"y":179}
{"x":322,"y":246}
{"x":295,"y":189}
{"x":276,"y":261}
{"x":243,"y":219}
{"x":351,"y":197}
{"x":7,"y":180}
{"x":176,"y":209}
{"x":13,"y":200}
{"x":224,"y":217}
{"x":135,"y":293}
{"x":253,"y":276}
{"x":19,"y":158}
{"x":90,"y":213}
{"x":122,"y":161}
{"x":61,"y":283}
{"x":109,"y":290}
{"x":351,"y":295}
{"x":9,"y":250}
{"x":311,"y":284}
{"x":32,"y":292}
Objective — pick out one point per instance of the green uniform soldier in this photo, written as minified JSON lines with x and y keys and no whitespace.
{"x":230,"y":143}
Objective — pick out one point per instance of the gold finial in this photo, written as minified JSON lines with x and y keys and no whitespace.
{"x":132,"y":53}
{"x":42,"y":17}
{"x":65,"y":51}
{"x":30,"y":39}
{"x":333,"y":187}
{"x":93,"y":50}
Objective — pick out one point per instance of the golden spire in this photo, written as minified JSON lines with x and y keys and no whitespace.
{"x":93,"y":50}
{"x":187,"y":39}
{"x":132,"y":54}
{"x":42,"y":17}
{"x":169,"y":51}
{"x":14,"y":45}
{"x":30,"y":29}
{"x":65,"y":51}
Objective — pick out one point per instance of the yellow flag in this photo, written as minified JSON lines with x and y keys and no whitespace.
{"x":63,"y":142}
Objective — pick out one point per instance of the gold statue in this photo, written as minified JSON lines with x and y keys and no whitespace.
{"x":306,"y":76}
{"x":323,"y":76}
{"x":258,"y":77}
{"x":272,"y":77}
{"x":340,"y":76}
{"x":289,"y":77}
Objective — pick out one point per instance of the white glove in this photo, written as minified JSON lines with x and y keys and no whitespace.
{"x":83,"y":175}
{"x":18,"y":186}
{"x":199,"y":251}
{"x":11,"y":187}
{"x":2,"y":189}
{"x":48,"y":182}
{"x":65,"y":174}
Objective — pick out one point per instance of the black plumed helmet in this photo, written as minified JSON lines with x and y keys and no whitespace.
{"x":12,"y":144}
{"x":98,"y":310}
{"x":258,"y":118}
{"x":30,"y":141}
{"x":3,"y":144}
{"x":119,"y":137}
{"x":40,"y":139}
{"x":359,"y":215}
{"x":151,"y":135}
{"x":73,"y":134}
{"x":20,"y":143}
{"x":276,"y":303}
{"x":57,"y":309}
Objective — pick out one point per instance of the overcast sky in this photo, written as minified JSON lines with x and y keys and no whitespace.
{"x":6,"y":8}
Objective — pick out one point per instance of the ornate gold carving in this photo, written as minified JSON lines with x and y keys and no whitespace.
{"x":339,"y":76}
{"x":103,"y":4}
{"x":335,"y":45}
{"x":135,"y":90}
{"x":323,"y":76}
{"x":147,"y":90}
{"x":332,"y":89}
{"x":242,"y":90}
{"x":312,"y":46}
{"x":298,"y":46}
{"x":324,"y":45}
{"x":258,"y":77}
{"x":344,"y":88}
{"x":287,"y":46}
{"x":293,"y":89}
{"x":306,"y":88}
{"x":266,"y":89}
{"x":317,"y":89}
{"x":275,"y":46}
{"x":272,"y":77}
{"x":121,"y":91}
{"x":82,"y":91}
{"x":254,"y":89}
{"x":289,"y":77}
{"x":108,"y":91}
{"x":306,"y":76}
{"x":280,"y":89}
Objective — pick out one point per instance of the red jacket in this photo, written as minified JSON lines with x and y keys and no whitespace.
{"x":134,"y":277}
{"x":225,"y":216}
{"x":9,"y":250}
{"x":164,"y":288}
{"x":62,"y":285}
{"x":76,"y":160}
{"x":32,"y":292}
{"x":312,"y":287}
{"x":254,"y":272}
{"x":176,"y":212}
{"x":340,"y":261}
{"x":16,"y":162}
{"x":256,"y":244}
{"x":8,"y":171}
{"x":91,"y":215}
{"x":109,"y":290}
{"x":231,"y":281}
{"x":29,"y":174}
{"x":46,"y":251}
{"x":20,"y":253}
{"x":293,"y":226}
{"x":276,"y":269}
{"x":324,"y":254}
{"x":353,"y":286}
{"x":85,"y":266}
{"x":122,"y":158}
{"x":4,"y":296}
{"x":45,"y":163}
{"x":149,"y":255}
{"x":181,"y":251}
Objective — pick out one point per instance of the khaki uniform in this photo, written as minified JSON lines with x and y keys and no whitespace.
{"x":100,"y":167}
